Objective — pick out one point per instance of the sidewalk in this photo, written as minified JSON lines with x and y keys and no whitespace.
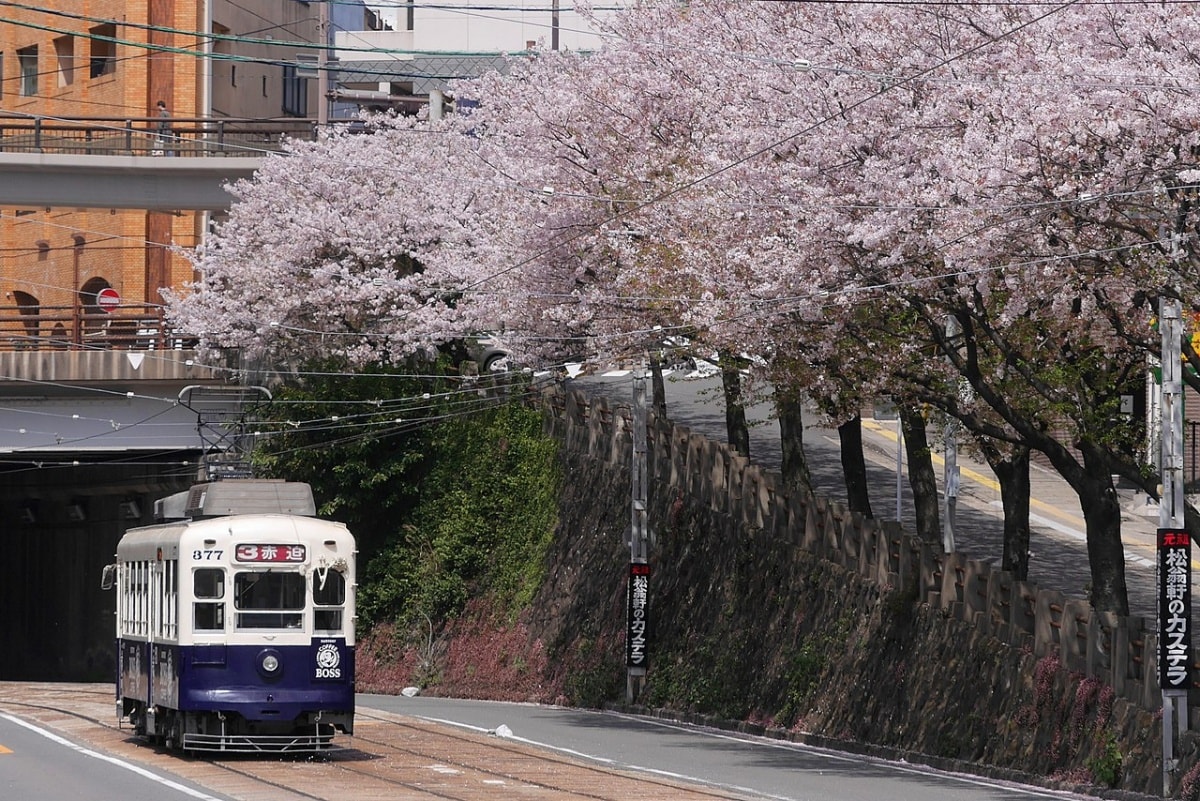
{"x":1058,"y":543}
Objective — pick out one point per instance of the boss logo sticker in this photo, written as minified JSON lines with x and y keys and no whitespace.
{"x":328,"y":661}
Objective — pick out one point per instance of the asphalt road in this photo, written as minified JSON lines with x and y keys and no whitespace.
{"x":437,"y":748}
{"x":754,"y":767}
{"x":38,"y":764}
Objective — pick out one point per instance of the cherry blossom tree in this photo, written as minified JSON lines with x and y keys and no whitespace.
{"x":364,"y":248}
{"x":825,"y":185}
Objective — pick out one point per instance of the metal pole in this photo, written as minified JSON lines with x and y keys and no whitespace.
{"x":637,"y":541}
{"x":950,"y":474}
{"x":899,"y":462}
{"x":323,"y":66}
{"x":950,"y":479}
{"x":636,"y":649}
{"x":554,"y":25}
{"x":1171,"y":511}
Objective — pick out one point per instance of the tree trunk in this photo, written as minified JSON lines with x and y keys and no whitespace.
{"x":1102,"y":516}
{"x":1012,"y":471}
{"x":794,"y":468}
{"x":736,"y":427}
{"x":658,"y":389}
{"x":854,"y":466}
{"x":921,"y":477}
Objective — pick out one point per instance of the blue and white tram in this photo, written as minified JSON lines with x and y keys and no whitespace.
{"x":235,"y":621}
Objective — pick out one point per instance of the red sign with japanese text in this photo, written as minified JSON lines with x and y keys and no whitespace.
{"x":269,"y":553}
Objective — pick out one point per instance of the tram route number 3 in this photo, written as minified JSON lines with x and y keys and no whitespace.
{"x":208,"y":554}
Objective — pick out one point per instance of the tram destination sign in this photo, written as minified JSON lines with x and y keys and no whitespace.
{"x":1174,"y":609}
{"x":269,"y":553}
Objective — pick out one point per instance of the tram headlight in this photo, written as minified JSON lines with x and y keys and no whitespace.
{"x":270,"y":664}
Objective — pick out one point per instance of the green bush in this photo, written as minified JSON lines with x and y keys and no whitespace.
{"x":451,"y":492}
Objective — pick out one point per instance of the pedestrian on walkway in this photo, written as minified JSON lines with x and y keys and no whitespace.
{"x":164,"y":134}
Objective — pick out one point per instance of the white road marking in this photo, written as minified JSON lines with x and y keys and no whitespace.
{"x":111,"y":759}
{"x":1075,"y":534}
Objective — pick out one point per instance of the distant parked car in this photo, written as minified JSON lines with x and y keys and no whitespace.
{"x":489,"y":353}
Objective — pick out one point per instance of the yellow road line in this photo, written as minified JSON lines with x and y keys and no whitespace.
{"x":991,"y":483}
{"x":4,"y":750}
{"x":980,"y":478}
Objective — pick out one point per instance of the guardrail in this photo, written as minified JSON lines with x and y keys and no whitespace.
{"x":127,"y":327}
{"x":140,"y":136}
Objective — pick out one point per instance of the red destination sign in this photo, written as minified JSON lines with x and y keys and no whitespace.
{"x":269,"y":553}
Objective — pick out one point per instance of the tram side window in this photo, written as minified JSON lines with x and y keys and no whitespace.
{"x":208,"y":585}
{"x":269,"y":600}
{"x":137,"y":610}
{"x":168,"y":598}
{"x":329,"y":590}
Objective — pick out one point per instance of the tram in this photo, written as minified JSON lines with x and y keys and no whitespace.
{"x":235,"y":621}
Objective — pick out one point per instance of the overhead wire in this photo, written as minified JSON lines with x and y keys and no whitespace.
{"x":664,"y":196}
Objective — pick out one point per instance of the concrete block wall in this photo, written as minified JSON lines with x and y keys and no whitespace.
{"x":1115,"y":650}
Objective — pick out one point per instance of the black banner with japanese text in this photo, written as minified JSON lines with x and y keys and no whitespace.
{"x":1174,"y":609}
{"x":636,"y":645}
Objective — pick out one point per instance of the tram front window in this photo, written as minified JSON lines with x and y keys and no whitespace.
{"x":269,"y":600}
{"x":329,"y":590}
{"x":209,"y":614}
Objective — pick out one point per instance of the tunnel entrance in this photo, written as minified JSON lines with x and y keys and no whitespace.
{"x":62,"y":524}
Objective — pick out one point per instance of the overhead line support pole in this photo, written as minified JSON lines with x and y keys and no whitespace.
{"x":637,"y":593}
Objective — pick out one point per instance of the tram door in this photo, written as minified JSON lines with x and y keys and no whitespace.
{"x":153,"y":620}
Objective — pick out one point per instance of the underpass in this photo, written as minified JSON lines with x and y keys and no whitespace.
{"x":89,"y":439}
{"x":92,"y":428}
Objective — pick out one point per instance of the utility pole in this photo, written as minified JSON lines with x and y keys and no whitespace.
{"x":554,"y":25}
{"x":899,"y":464}
{"x":950,"y":475}
{"x":323,"y":65}
{"x":637,"y":595}
{"x":1174,"y":548}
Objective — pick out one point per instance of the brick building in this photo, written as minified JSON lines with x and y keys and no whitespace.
{"x":103,"y":65}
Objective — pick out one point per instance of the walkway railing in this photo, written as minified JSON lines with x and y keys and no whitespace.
{"x":139,"y":136}
{"x":128,"y":327}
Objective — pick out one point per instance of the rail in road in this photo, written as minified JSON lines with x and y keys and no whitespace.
{"x":390,"y":756}
{"x":437,"y":748}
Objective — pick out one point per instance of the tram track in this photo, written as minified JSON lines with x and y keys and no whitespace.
{"x":390,"y":756}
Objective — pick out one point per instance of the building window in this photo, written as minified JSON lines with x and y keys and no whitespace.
{"x":222,"y":65}
{"x":43,"y":251}
{"x":295,"y":93}
{"x":27,"y":57}
{"x":64,"y":55}
{"x":1,"y":73}
{"x":103,"y":57}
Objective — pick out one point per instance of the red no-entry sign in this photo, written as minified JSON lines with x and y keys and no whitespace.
{"x":108,"y":299}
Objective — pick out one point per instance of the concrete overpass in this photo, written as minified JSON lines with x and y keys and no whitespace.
{"x":153,"y":183}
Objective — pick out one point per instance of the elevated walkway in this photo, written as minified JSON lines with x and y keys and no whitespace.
{"x":153,"y":183}
{"x":121,"y":163}
{"x":82,"y":404}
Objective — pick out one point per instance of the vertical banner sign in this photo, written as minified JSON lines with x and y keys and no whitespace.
{"x":636,"y":651}
{"x":1174,"y":609}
